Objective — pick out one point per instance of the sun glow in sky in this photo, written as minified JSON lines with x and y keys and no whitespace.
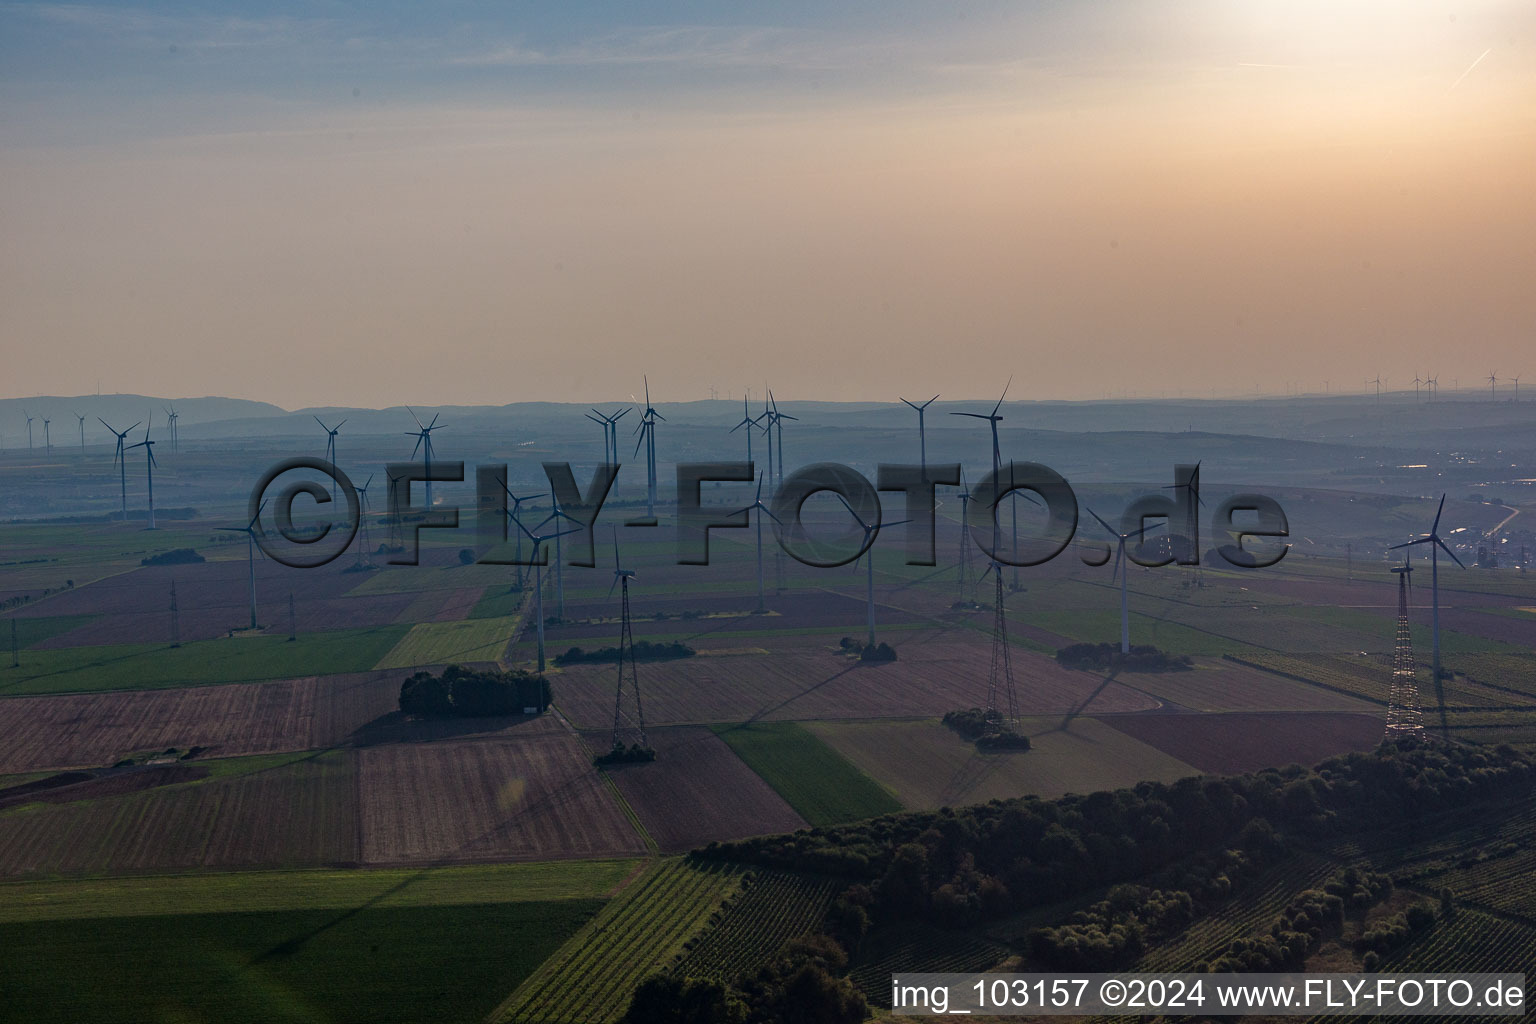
{"x":463,"y":203}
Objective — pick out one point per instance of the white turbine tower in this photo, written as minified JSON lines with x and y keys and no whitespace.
{"x":423,"y":436}
{"x":149,"y":468}
{"x":647,"y":432}
{"x":758,"y":505}
{"x":1125,"y":606}
{"x":922,"y":433}
{"x":120,"y":460}
{"x":539,"y":536}
{"x":249,"y":529}
{"x":871,"y":531}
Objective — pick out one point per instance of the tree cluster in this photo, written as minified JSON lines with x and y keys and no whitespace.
{"x":465,"y":693}
{"x":643,"y":650}
{"x":975,"y":863}
{"x":1310,"y":917}
{"x":867,"y":652}
{"x":801,"y":986}
{"x":176,"y":556}
{"x":1142,"y":658}
{"x":986,"y":729}
{"x":620,"y":754}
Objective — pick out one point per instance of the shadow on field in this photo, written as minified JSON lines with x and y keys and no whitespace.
{"x":396,"y":727}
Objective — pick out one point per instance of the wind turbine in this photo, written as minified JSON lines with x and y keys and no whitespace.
{"x":610,"y":432}
{"x":1434,"y":386}
{"x":249,"y":529}
{"x":120,"y":459}
{"x":513,"y":514}
{"x":423,"y":435}
{"x":1517,"y":387}
{"x":1493,"y":389}
{"x":1125,"y":613}
{"x":748,"y":422}
{"x":330,"y":449}
{"x":647,"y":432}
{"x":149,"y":468}
{"x":1433,"y":540}
{"x":922,"y":436}
{"x":539,"y":539}
{"x":870,"y":532}
{"x":29,"y":428}
{"x":760,"y":507}
{"x":621,"y":578}
{"x":997,"y":461}
{"x":47,"y":437}
{"x":363,"y":543}
{"x":172,"y":416}
{"x":1416,"y":383}
{"x":777,"y":423}
{"x":1377,"y":382}
{"x":82,"y":432}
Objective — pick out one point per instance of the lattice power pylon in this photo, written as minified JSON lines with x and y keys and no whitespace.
{"x":628,"y":726}
{"x":1403,"y":715}
{"x":1000,"y":679}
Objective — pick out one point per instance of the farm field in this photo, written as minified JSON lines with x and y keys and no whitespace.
{"x":798,"y":682}
{"x":295,"y":810}
{"x":448,"y":642}
{"x":531,"y":794}
{"x":1216,"y":685}
{"x":94,"y":729}
{"x":645,"y":929}
{"x":232,"y":892}
{"x":201,"y":663}
{"x":368,"y":964}
{"x":928,"y":766}
{"x":697,"y":791}
{"x":1235,"y":742}
{"x":822,"y":786}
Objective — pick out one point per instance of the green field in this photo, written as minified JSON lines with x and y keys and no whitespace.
{"x":36,"y":630}
{"x":440,"y":643}
{"x":497,"y":602}
{"x":368,"y":965}
{"x":441,"y":944}
{"x":817,"y":781}
{"x":200,"y":663}
{"x":299,"y":890}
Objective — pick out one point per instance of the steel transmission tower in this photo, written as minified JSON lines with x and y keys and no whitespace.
{"x":1001,"y":675}
{"x":1403,"y":716}
{"x":625,"y":725}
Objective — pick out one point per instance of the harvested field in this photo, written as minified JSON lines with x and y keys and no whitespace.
{"x":698,"y":790}
{"x":530,"y":796}
{"x":708,"y":615}
{"x":299,"y":814}
{"x":1229,"y":744}
{"x":93,"y":729}
{"x":927,"y":765}
{"x":213,"y":596}
{"x":1229,"y":686}
{"x":801,"y":681}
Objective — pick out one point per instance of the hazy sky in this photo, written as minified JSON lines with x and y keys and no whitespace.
{"x":374,"y":203}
